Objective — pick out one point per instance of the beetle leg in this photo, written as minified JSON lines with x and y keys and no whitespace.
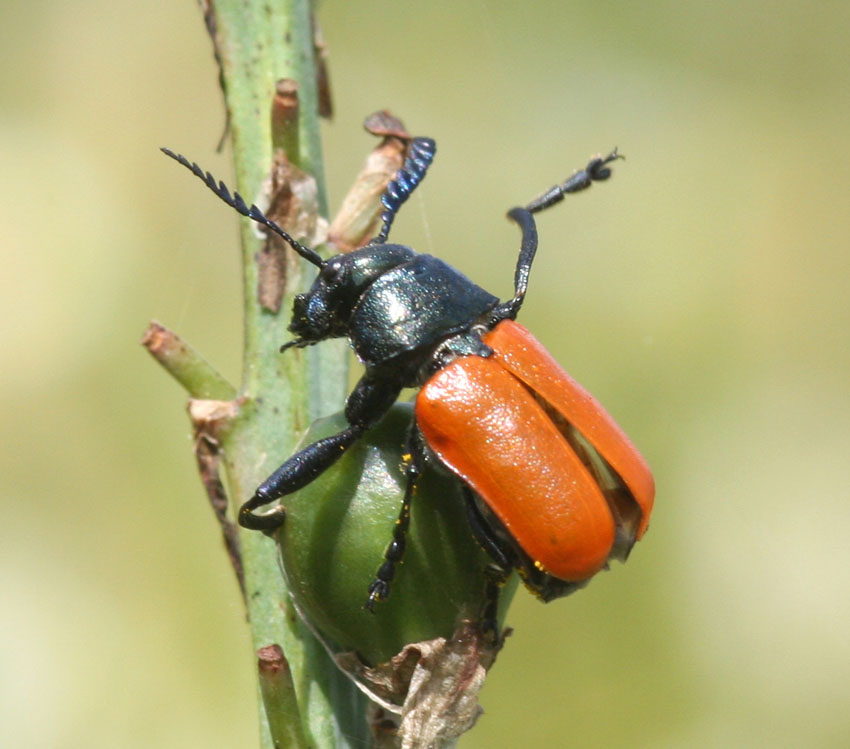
{"x":527,"y":250}
{"x":294,"y":474}
{"x":483,"y":533}
{"x":489,"y":624}
{"x":595,"y":171}
{"x":368,"y":402}
{"x":379,"y":589}
{"x":419,"y":157}
{"x":496,"y":573}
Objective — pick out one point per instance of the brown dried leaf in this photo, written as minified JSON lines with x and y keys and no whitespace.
{"x":290,"y":198}
{"x":357,"y":220}
{"x":323,"y":83}
{"x":433,"y":684}
{"x":386,"y":123}
{"x":209,"y":419}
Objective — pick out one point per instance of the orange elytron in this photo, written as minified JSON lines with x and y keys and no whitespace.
{"x":567,"y":488}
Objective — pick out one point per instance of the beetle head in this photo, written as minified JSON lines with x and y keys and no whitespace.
{"x":325,"y":310}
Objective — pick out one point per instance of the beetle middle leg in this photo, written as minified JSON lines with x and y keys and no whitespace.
{"x":368,"y":402}
{"x":414,"y":460}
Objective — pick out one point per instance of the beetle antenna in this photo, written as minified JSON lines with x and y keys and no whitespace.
{"x":236,"y":201}
{"x":419,"y":157}
{"x":595,"y":171}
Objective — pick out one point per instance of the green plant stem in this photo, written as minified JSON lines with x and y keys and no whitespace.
{"x":279,"y":698}
{"x":305,"y":700}
{"x":258,"y":43}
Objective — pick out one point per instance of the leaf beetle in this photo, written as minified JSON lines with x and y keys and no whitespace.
{"x":553,"y":487}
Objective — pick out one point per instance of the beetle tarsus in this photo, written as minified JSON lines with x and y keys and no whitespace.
{"x":268,"y":522}
{"x":595,"y":171}
{"x":378,"y":591}
{"x":295,"y":343}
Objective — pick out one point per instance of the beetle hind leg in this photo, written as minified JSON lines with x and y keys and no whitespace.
{"x":489,"y":621}
{"x":496,"y":573}
{"x":483,"y":534}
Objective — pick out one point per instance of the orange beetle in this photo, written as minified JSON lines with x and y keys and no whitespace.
{"x":558,"y":485}
{"x":553,"y":487}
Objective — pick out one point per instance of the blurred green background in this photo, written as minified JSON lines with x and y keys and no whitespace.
{"x":702,"y":295}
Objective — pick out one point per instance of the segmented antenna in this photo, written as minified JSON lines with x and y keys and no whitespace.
{"x":236,"y":201}
{"x":419,"y":158}
{"x":595,"y":171}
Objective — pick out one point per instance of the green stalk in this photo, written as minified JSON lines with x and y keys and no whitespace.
{"x":257,"y":43}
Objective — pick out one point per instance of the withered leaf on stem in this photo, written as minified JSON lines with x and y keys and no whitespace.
{"x":292,"y":201}
{"x":357,"y":220}
{"x":432,"y":685}
{"x":209,"y":418}
{"x":323,"y":83}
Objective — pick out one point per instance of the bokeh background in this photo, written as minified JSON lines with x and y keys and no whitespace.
{"x":702,"y":295}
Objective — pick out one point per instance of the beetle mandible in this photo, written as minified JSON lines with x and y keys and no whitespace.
{"x":553,"y":487}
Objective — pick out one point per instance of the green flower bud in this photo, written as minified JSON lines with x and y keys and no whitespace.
{"x":338,"y":527}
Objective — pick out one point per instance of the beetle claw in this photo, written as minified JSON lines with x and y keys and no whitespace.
{"x":378,"y":591}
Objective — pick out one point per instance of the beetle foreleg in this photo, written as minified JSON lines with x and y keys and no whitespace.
{"x":368,"y":402}
{"x":527,"y":250}
{"x":294,"y":474}
{"x":595,"y":171}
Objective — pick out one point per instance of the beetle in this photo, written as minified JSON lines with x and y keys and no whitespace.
{"x":552,"y":485}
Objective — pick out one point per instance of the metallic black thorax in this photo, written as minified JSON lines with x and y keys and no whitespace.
{"x":394,"y":305}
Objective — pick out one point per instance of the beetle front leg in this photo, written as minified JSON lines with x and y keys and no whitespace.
{"x":368,"y":402}
{"x":294,"y":474}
